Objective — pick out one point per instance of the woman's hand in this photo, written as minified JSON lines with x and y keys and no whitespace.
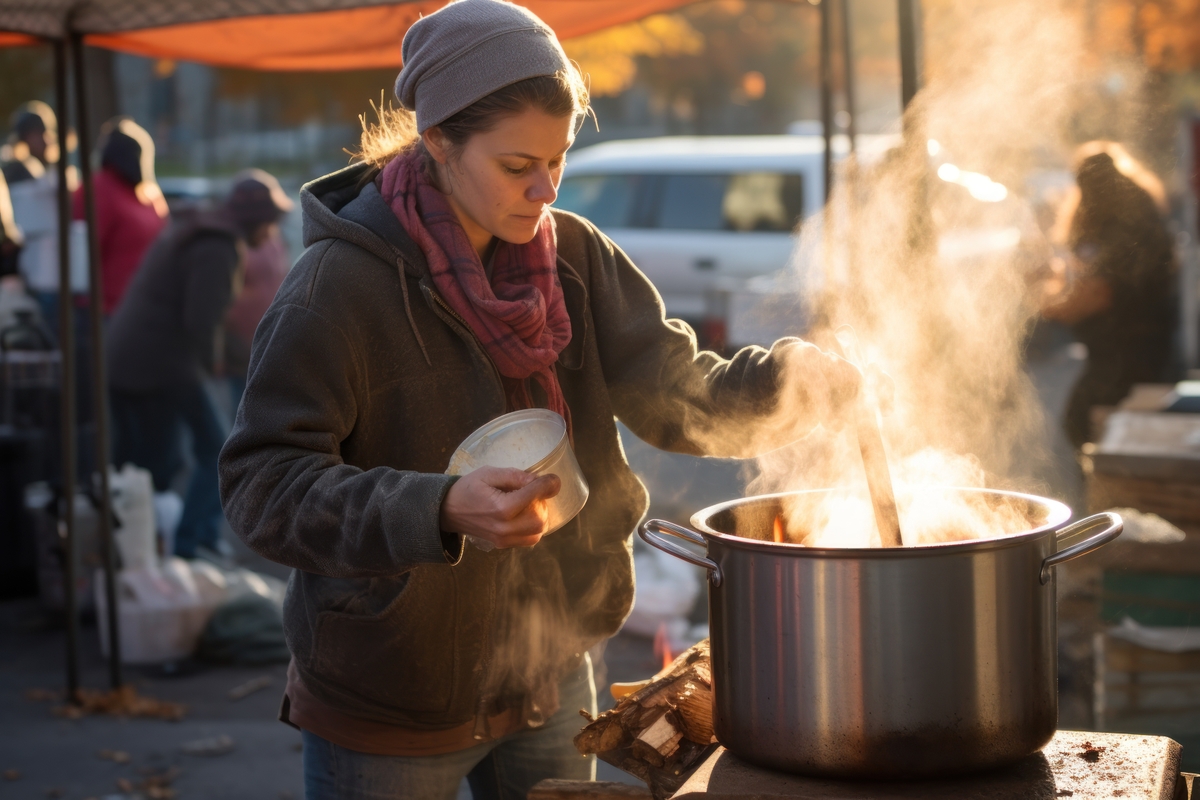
{"x":506,"y":507}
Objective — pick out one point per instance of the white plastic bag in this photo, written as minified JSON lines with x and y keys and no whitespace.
{"x":168,"y":512}
{"x":161,"y":612}
{"x":132,"y":492}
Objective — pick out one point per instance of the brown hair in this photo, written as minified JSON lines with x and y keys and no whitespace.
{"x":395,"y":132}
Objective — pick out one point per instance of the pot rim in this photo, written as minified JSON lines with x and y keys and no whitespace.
{"x":1058,"y":514}
{"x":524,"y":415}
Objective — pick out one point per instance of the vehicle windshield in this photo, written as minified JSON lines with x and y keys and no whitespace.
{"x":738,"y":202}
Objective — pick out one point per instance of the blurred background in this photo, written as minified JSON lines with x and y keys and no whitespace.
{"x":729,"y":223}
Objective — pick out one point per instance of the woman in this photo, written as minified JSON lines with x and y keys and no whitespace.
{"x":1116,"y":290}
{"x":438,"y":291}
{"x":262,"y":274}
{"x":130,"y":208}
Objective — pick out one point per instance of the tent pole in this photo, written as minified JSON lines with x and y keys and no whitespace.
{"x":910,"y":74}
{"x":66,"y":398}
{"x":827,"y":91}
{"x":848,"y":65}
{"x":99,"y":378}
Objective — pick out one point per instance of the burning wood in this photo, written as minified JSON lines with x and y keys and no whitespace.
{"x":661,"y":729}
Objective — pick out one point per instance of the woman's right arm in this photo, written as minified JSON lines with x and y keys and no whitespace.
{"x":291,"y":498}
{"x":285,"y":488}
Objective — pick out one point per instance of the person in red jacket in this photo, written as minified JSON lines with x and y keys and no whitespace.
{"x":130,"y":208}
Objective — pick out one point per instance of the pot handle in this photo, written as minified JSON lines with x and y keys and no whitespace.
{"x":1113,"y":525}
{"x":651,"y":532}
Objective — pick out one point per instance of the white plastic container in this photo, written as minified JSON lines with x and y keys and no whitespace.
{"x":534,"y":440}
{"x":161,"y":612}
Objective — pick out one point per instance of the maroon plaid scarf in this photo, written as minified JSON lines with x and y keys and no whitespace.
{"x":520,"y":317}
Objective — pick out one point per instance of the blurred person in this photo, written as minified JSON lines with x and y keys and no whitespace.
{"x":33,"y":185}
{"x":165,"y":338}
{"x":438,"y":291}
{"x":1116,"y":287}
{"x":265,"y":268}
{"x":130,"y":208}
{"x":11,"y":238}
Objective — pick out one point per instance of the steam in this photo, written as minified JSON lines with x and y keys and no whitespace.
{"x":942,"y":300}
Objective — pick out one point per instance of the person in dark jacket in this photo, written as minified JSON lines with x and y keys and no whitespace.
{"x":164,"y":339}
{"x":1116,"y":290}
{"x":11,"y":237}
{"x":440,"y":290}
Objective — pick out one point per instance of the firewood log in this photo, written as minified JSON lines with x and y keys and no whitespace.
{"x":661,"y":731}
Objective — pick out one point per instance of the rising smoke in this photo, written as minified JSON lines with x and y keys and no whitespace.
{"x":932,"y":255}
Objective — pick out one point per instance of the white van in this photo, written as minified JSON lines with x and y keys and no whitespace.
{"x":699,"y":212}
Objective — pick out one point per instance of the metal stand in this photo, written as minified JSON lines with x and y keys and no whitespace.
{"x":826,"y":76}
{"x":99,"y":376}
{"x":849,"y":72}
{"x":910,"y":46}
{"x":66,"y":335}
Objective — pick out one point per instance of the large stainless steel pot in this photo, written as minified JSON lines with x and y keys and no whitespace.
{"x":882,"y":662}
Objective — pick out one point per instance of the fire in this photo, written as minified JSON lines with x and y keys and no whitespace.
{"x":662,"y":646}
{"x":778,"y":529}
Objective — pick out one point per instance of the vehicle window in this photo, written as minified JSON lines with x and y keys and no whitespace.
{"x":748,"y":201}
{"x":692,"y":202}
{"x":606,"y":200}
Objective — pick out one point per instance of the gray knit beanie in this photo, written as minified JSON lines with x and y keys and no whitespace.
{"x":465,"y":51}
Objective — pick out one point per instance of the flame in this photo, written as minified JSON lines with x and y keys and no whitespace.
{"x":663,"y":646}
{"x":778,"y":529}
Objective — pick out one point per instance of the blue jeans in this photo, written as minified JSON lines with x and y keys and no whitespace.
{"x":504,"y":769}
{"x":149,"y":433}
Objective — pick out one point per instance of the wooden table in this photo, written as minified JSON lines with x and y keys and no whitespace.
{"x":1081,"y":765}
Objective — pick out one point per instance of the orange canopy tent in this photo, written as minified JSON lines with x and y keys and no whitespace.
{"x":278,"y":34}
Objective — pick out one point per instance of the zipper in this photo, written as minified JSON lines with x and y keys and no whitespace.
{"x":446,"y":307}
{"x":482,"y":728}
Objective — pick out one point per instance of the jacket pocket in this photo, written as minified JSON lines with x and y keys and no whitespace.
{"x":404,"y":658}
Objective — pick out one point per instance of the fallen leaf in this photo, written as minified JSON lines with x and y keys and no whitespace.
{"x":213,"y":746}
{"x":124,"y":785}
{"x":249,"y":687}
{"x":12,"y":774}
{"x":121,"y":702}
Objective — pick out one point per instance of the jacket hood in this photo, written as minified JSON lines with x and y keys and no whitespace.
{"x":340,"y":206}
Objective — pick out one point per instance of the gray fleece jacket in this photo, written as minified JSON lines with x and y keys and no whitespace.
{"x":362,"y":382}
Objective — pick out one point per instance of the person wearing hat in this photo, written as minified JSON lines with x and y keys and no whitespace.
{"x":440,"y":290}
{"x":34,"y":142}
{"x":164,"y":339}
{"x":130,"y":208}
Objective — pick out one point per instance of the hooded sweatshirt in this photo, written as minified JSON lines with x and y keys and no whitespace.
{"x":362,"y":382}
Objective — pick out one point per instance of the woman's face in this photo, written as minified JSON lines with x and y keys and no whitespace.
{"x":501,"y":182}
